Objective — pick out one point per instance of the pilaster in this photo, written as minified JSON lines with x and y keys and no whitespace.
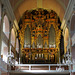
{"x":1,"y":24}
{"x":15,"y":45}
{"x":68,"y":13}
{"x":10,"y":28}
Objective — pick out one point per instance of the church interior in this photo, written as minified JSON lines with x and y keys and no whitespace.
{"x":37,"y":37}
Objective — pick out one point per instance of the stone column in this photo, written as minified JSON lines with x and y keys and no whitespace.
{"x":10,"y":28}
{"x":20,"y":54}
{"x":1,"y":28}
{"x":59,"y":55}
{"x":70,"y":44}
{"x":9,"y":46}
{"x":72,"y":48}
{"x":64,"y":42}
{"x":15,"y":47}
{"x":2,"y":12}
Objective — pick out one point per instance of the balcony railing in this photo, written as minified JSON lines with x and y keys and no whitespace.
{"x":36,"y":68}
{"x":40,"y":68}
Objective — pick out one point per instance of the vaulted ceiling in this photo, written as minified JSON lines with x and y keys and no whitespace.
{"x":20,"y":6}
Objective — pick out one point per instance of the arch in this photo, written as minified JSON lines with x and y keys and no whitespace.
{"x":66,"y":39}
{"x":27,"y":37}
{"x":6,"y":26}
{"x":17,"y":45}
{"x":72,"y":27}
{"x":51,"y":36}
{"x":39,"y":41}
{"x":4,"y":51}
{"x":56,"y":5}
{"x":13,"y":37}
{"x":72,"y":35}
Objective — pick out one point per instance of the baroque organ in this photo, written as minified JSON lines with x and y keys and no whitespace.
{"x":39,"y":36}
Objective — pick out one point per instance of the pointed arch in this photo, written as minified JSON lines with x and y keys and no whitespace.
{"x":13,"y":37}
{"x":39,"y":41}
{"x":66,"y":39}
{"x":6,"y":26}
{"x":27,"y":37}
{"x":4,"y":51}
{"x":17,"y":45}
{"x":51,"y":36}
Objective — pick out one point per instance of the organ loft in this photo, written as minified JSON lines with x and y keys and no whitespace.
{"x":40,"y":36}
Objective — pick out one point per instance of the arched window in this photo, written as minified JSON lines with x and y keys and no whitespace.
{"x":13,"y":37}
{"x":73,"y":29}
{"x":72,"y":34}
{"x":17,"y":45}
{"x":73,"y":24}
{"x":6,"y":26}
{"x":4,"y":51}
{"x":66,"y":39}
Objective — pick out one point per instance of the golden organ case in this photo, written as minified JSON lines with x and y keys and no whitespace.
{"x":39,"y":36}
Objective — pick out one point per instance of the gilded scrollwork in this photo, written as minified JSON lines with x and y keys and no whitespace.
{"x":39,"y":22}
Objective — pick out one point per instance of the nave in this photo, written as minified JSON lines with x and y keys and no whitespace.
{"x":37,"y":35}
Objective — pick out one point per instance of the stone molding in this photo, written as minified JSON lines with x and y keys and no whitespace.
{"x":73,"y":39}
{"x":68,"y":13}
{"x":9,"y":11}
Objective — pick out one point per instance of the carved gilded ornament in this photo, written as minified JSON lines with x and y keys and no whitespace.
{"x":39,"y":21}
